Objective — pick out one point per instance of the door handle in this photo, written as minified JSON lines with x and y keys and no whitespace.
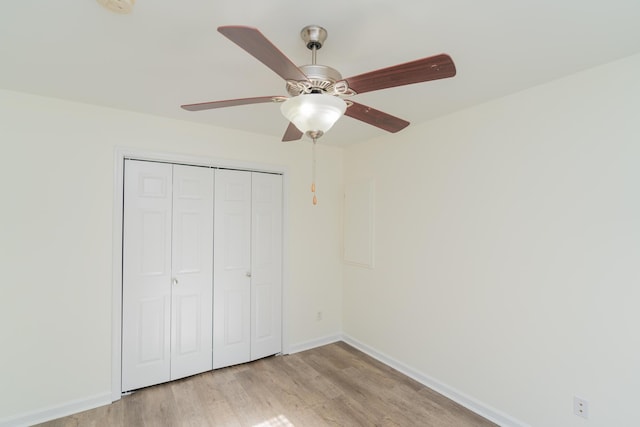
{"x":248,"y":274}
{"x":175,"y":281}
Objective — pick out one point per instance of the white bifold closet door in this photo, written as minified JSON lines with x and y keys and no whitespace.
{"x":167,"y":272}
{"x":247,"y":319}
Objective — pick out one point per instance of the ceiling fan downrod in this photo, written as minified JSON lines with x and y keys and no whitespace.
{"x":314,"y":37}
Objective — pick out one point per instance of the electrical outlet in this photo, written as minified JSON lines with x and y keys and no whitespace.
{"x":580,"y":407}
{"x":318,"y":316}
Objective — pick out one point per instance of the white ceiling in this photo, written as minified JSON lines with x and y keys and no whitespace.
{"x":168,"y":53}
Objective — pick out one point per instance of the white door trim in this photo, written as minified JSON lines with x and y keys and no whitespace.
{"x":118,"y":192}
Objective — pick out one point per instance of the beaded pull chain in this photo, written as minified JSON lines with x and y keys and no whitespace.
{"x":313,"y":172}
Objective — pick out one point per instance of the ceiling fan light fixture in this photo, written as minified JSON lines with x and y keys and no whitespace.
{"x":313,"y":113}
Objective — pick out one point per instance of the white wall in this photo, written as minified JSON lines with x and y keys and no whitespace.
{"x":57,"y":187}
{"x":507,"y":246}
{"x":508,"y":250}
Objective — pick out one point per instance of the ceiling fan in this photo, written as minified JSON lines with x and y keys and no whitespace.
{"x":318,"y":95}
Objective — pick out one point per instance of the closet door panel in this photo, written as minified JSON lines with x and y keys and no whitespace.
{"x":146,"y":293}
{"x":192,"y":266}
{"x":266,"y":258}
{"x":232,"y":261}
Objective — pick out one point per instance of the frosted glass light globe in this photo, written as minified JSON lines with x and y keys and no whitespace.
{"x":313,"y":112}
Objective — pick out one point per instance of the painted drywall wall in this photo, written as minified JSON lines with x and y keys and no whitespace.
{"x":507,"y":250}
{"x":57,"y":187}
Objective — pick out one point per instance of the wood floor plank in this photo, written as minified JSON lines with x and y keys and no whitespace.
{"x":214,"y":403}
{"x":332,"y":385}
{"x":189,"y":406}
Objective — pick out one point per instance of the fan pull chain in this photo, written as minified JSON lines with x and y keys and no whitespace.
{"x":313,"y":172}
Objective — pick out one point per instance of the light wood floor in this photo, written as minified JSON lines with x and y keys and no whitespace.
{"x":333,"y":385}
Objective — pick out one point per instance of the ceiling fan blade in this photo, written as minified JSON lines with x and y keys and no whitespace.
{"x":376,"y":118}
{"x":292,"y":133}
{"x":422,"y":70}
{"x":257,"y":45}
{"x":232,"y":103}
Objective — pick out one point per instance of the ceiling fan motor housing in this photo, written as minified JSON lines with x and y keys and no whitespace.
{"x":321,"y":79}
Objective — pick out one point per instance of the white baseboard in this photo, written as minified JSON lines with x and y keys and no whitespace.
{"x":468,"y":402}
{"x":308,"y":345}
{"x":57,"y":411}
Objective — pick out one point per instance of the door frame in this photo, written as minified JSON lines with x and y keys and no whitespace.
{"x":122,"y":153}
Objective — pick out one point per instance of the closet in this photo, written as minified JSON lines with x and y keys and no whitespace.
{"x":202,"y":270}
{"x":248,"y":267}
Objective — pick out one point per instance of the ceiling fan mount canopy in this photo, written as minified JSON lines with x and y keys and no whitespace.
{"x":314,"y":36}
{"x":316,"y":89}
